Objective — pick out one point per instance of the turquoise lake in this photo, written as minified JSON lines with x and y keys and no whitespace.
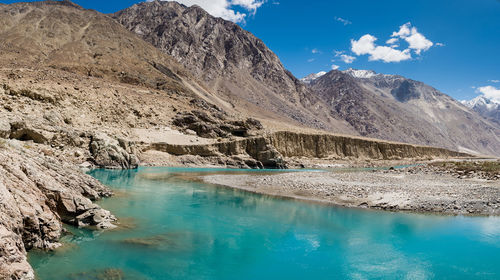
{"x":176,"y":227}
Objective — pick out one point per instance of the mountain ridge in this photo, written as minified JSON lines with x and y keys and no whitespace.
{"x":393,"y":107}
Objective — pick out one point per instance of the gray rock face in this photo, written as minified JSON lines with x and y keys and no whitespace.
{"x":110,"y":153}
{"x":36,"y":194}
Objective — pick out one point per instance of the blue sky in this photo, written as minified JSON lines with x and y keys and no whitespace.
{"x":306,"y":34}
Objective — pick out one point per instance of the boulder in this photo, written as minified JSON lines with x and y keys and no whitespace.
{"x":23,"y":132}
{"x":98,"y":217}
{"x":110,"y":153}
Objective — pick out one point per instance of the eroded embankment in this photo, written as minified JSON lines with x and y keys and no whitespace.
{"x":291,"y":144}
{"x":270,"y":150}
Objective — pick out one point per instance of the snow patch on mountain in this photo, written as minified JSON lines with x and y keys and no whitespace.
{"x":481,"y":101}
{"x":362,"y":74}
{"x":487,"y":107}
{"x":311,"y":77}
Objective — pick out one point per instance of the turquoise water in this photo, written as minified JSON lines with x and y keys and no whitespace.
{"x":179,"y":228}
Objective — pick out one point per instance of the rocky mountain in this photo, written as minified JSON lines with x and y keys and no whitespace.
{"x":396,"y":108}
{"x":486,"y":107}
{"x":233,"y":63}
{"x":245,"y":73}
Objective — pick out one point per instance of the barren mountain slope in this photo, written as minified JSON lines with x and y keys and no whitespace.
{"x":232,"y":61}
{"x":395,"y":108}
{"x":65,"y":36}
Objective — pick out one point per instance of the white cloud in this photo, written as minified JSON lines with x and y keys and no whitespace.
{"x":366,"y":45}
{"x":410,"y":34}
{"x":347,"y":58}
{"x":315,"y":51}
{"x":490,"y":92}
{"x":338,"y":53}
{"x":494,"y":81}
{"x":391,"y":41}
{"x":391,"y":52}
{"x":310,"y":60}
{"x":343,"y":20}
{"x":225,"y":8}
{"x":404,"y":31}
{"x":440,"y":44}
{"x":335,"y":67}
{"x":251,"y":5}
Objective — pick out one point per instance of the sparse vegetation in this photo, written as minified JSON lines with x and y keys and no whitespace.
{"x":491,"y":168}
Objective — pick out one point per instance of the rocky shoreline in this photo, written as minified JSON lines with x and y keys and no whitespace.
{"x":414,"y":189}
{"x":37,"y":194}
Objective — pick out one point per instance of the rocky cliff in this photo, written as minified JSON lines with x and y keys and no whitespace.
{"x":37,"y":194}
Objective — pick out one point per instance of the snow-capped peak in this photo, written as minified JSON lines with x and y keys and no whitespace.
{"x":362,"y":74}
{"x":481,"y":101}
{"x":311,"y":77}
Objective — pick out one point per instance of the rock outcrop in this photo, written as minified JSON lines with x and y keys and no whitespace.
{"x":110,"y":153}
{"x":37,"y":193}
{"x":253,"y":152}
{"x":213,"y":126}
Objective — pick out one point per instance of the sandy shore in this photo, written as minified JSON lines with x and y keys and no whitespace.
{"x":394,"y":191}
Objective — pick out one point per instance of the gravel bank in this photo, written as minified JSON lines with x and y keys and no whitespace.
{"x":394,"y":191}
